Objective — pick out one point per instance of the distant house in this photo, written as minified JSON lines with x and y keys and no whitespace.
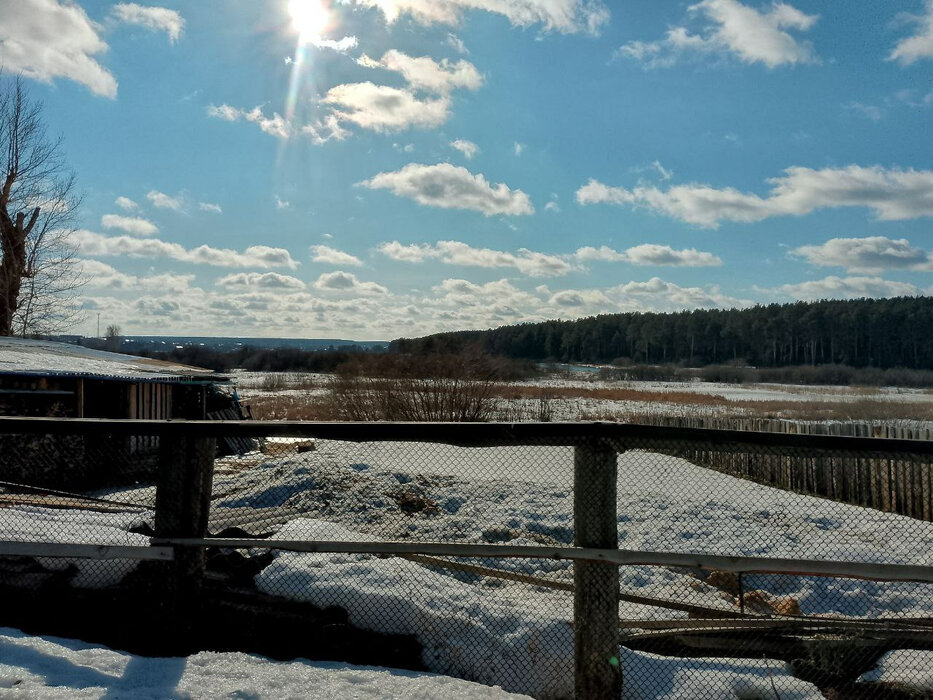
{"x":43,"y":378}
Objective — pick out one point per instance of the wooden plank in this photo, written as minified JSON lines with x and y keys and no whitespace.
{"x":84,"y":551}
{"x":597,"y":671}
{"x":477,"y":434}
{"x":621,"y":557}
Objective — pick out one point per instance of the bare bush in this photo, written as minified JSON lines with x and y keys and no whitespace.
{"x":435,"y":388}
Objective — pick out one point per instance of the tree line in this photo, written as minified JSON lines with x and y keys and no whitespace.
{"x":896,"y":332}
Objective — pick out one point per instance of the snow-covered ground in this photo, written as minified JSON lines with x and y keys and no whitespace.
{"x":48,"y":667}
{"x":516,"y":635}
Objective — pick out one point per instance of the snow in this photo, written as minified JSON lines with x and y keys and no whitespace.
{"x":33,"y":524}
{"x":909,"y":667}
{"x":516,"y":635}
{"x":47,"y":667}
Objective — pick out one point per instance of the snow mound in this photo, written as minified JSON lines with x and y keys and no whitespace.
{"x":38,"y":668}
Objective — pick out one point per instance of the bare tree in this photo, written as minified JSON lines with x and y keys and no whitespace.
{"x":39,"y":274}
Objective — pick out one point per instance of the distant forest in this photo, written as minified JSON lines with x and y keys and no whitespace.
{"x":880,"y":333}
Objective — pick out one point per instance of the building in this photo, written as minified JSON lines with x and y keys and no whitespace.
{"x":43,"y":378}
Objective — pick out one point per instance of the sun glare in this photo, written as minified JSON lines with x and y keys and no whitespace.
{"x":309,"y":17}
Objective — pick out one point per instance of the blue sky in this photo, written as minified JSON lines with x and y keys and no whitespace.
{"x":371,"y":169}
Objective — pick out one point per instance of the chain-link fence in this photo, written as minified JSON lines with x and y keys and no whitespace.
{"x":748,"y":565}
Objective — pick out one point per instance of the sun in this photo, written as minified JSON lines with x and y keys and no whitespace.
{"x":309,"y":17}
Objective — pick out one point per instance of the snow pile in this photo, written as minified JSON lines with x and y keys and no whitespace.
{"x":32,"y":524}
{"x":464,"y":632}
{"x":40,"y":668}
{"x":470,"y":632}
{"x":911,"y":668}
{"x":647,"y":676}
{"x":507,"y":495}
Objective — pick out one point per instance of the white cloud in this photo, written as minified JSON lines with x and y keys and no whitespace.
{"x":869,"y":111}
{"x":274,"y":125}
{"x":164,"y":201}
{"x":346,"y":283}
{"x":260,"y":280}
{"x":424,"y":73}
{"x":892,"y":194}
{"x":754,"y":36}
{"x":95,"y":244}
{"x":126,"y":204}
{"x":848,"y":288}
{"x":99,"y":275}
{"x":156,"y":18}
{"x":528,"y":262}
{"x":384,"y":108}
{"x":872,"y":254}
{"x":566,"y":16}
{"x":281,"y":203}
{"x":325,"y":129}
{"x":467,"y":148}
{"x":341,"y":45}
{"x":131,"y":225}
{"x":518,"y":148}
{"x":212,"y":208}
{"x":456,"y":43}
{"x":49,"y":39}
{"x":452,"y":187}
{"x":332,"y":256}
{"x":552,"y":207}
{"x":920,"y":45}
{"x":650,"y":254}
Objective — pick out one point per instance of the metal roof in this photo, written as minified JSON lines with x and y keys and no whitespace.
{"x":19,"y":356}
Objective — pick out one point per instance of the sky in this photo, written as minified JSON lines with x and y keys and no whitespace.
{"x":374,"y":169}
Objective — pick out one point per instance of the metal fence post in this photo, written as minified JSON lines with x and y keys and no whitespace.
{"x":183,"y":496}
{"x":597,"y":672}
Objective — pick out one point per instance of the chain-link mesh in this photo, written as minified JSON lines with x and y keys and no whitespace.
{"x":684,"y":631}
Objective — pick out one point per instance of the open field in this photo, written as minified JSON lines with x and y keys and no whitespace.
{"x":297,"y":396}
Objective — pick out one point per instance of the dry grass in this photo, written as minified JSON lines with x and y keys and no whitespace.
{"x":552,"y":403}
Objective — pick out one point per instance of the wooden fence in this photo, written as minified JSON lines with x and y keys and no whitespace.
{"x":893,"y":483}
{"x":184,"y":489}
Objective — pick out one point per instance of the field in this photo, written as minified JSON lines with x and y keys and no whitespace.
{"x":582,"y":396}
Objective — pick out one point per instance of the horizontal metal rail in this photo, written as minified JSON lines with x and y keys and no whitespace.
{"x":69,"y":550}
{"x":618,"y":557}
{"x":619,"y":435}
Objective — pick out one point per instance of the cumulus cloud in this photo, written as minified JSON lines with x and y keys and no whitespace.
{"x":346,"y":283}
{"x":467,"y":148}
{"x":260,"y":280}
{"x":212,"y":208}
{"x":164,"y":201}
{"x":848,"y":288}
{"x":872,"y":254}
{"x":424,"y":73}
{"x":893,"y":194}
{"x":332,"y":256}
{"x":650,"y":254}
{"x":276,"y":125}
{"x":919,"y":45}
{"x":95,"y":244}
{"x":99,"y":275}
{"x":126,"y":204}
{"x":528,"y":262}
{"x":281,"y":203}
{"x":49,"y":39}
{"x":383,"y":108}
{"x":565,"y":16}
{"x":452,"y":187}
{"x":131,"y":225}
{"x":155,"y":18}
{"x":730,"y":27}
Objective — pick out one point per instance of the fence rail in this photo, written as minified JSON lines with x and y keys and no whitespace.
{"x":619,"y":476}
